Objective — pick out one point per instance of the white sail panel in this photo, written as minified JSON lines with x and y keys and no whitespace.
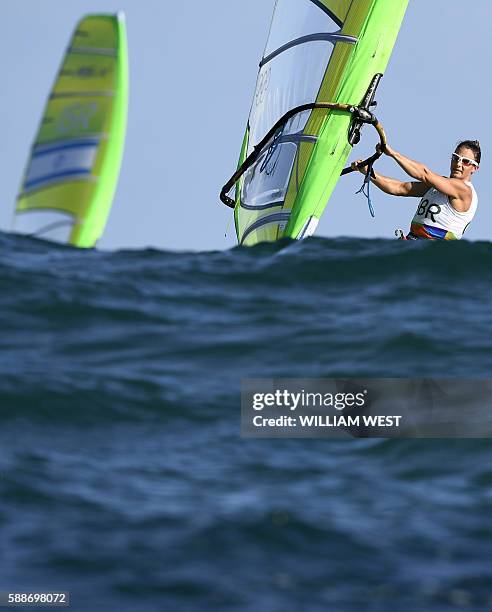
{"x":293,"y":77}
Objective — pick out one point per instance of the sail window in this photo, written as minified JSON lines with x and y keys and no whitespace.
{"x":293,"y":20}
{"x":50,"y":225}
{"x":265,"y":183}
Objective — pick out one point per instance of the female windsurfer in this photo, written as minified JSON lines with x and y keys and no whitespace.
{"x":447,"y":205}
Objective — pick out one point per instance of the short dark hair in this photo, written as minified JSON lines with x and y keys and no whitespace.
{"x":474,"y":145}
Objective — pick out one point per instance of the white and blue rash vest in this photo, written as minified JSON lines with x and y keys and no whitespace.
{"x":436,"y":219}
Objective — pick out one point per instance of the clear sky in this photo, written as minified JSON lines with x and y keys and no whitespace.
{"x":193,"y":68}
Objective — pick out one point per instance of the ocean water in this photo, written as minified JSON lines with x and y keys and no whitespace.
{"x":123,"y":476}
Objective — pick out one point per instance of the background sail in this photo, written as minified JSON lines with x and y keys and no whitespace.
{"x":71,"y":175}
{"x":317,"y":51}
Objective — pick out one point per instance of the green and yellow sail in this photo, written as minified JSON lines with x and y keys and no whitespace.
{"x":72,"y":172}
{"x":318,"y":51}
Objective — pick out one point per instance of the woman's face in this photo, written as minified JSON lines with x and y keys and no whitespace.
{"x":463,"y":163}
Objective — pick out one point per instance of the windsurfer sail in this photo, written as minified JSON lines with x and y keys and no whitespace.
{"x":71,"y":175}
{"x":317,"y":79}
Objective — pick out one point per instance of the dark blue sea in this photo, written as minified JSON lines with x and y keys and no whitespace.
{"x":123,"y":476}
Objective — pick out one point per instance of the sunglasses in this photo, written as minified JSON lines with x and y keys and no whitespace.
{"x":466,"y":161}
